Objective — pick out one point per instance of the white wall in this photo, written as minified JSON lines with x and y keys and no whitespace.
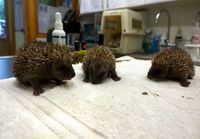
{"x":182,"y":16}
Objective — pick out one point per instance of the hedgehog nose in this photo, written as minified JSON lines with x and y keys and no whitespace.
{"x":73,"y":74}
{"x":148,"y":76}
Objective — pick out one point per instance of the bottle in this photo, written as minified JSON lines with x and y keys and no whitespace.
{"x":196,"y":34}
{"x":84,"y":45}
{"x":178,"y":38}
{"x":58,"y":35}
{"x":163,"y":39}
{"x":76,"y":45}
{"x":147,"y":43}
{"x":155,"y":45}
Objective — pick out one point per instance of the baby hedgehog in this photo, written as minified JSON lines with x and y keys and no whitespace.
{"x":172,"y":63}
{"x":39,"y":62}
{"x":99,"y":63}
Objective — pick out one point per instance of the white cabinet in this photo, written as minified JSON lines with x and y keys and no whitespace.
{"x":134,"y":3}
{"x":156,"y":1}
{"x":115,"y":4}
{"x":91,"y":6}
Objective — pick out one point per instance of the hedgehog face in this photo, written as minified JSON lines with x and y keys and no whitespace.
{"x":98,"y":72}
{"x":157,"y":72}
{"x":62,"y":71}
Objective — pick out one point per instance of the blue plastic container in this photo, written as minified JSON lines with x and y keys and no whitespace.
{"x":6,"y":64}
{"x":155,"y":45}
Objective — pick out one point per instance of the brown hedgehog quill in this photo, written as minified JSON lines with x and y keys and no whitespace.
{"x":98,"y":64}
{"x":39,"y":62}
{"x":172,"y":63}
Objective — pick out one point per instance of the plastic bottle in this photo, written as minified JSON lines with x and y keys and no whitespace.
{"x":196,"y":34}
{"x":178,"y":38}
{"x":163,"y":39}
{"x":155,"y":45}
{"x":58,"y":35}
{"x":147,"y":43}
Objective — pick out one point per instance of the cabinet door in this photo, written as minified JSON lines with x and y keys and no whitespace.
{"x":90,"y":6}
{"x":134,"y":3}
{"x":115,"y":4}
{"x":156,"y":1}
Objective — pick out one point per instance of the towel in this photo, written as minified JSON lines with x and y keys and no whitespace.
{"x":134,"y":107}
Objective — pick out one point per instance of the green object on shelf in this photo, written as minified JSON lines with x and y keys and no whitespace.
{"x":77,"y":56}
{"x":147,"y":47}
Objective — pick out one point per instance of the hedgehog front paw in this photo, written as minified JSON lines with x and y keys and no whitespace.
{"x":114,"y":75}
{"x":38,"y":91}
{"x":60,"y":82}
{"x":185,"y":83}
{"x":116,"y":78}
{"x":86,"y":80}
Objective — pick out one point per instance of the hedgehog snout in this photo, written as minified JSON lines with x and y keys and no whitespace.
{"x":148,"y":76}
{"x":71,"y":74}
{"x":151,"y":76}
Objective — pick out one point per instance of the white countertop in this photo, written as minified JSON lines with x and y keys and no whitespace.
{"x":192,"y":45}
{"x":132,"y":108}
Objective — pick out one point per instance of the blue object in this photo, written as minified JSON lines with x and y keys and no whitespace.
{"x":155,"y":45}
{"x":6,"y":64}
{"x":68,"y":3}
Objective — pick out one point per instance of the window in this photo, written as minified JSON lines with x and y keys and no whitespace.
{"x":2,"y":19}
